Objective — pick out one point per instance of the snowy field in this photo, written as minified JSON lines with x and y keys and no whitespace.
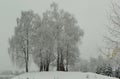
{"x":61,"y":75}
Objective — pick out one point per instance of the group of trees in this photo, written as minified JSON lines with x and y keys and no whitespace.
{"x":52,"y":38}
{"x":100,"y":65}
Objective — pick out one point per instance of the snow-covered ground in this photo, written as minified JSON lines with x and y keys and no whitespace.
{"x":61,"y":75}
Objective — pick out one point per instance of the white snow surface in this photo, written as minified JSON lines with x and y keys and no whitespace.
{"x":61,"y":75}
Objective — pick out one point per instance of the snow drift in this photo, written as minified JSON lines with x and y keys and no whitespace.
{"x":61,"y":75}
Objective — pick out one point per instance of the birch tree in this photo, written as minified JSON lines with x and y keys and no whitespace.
{"x":20,"y":42}
{"x":66,"y":33}
{"x":43,"y":48}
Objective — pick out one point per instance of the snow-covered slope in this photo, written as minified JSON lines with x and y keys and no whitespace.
{"x":61,"y":75}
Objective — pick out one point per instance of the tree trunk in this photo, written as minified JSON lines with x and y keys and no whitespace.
{"x":47,"y":63}
{"x":27,"y":69}
{"x":58,"y":63}
{"x":26,"y":66}
{"x":67,"y":60}
{"x":58,"y":60}
{"x":61,"y":65}
{"x":27,"y":54}
{"x":41,"y":65}
{"x":47,"y":67}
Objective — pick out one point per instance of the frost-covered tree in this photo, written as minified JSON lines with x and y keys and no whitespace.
{"x":64,"y":36}
{"x":20,"y":42}
{"x":43,"y":47}
{"x":113,"y":39}
{"x":67,"y":34}
{"x":108,"y":70}
{"x":104,"y":69}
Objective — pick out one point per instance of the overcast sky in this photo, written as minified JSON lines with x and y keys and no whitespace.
{"x":91,"y":15}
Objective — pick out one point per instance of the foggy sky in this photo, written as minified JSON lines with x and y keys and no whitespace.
{"x":91,"y":15}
